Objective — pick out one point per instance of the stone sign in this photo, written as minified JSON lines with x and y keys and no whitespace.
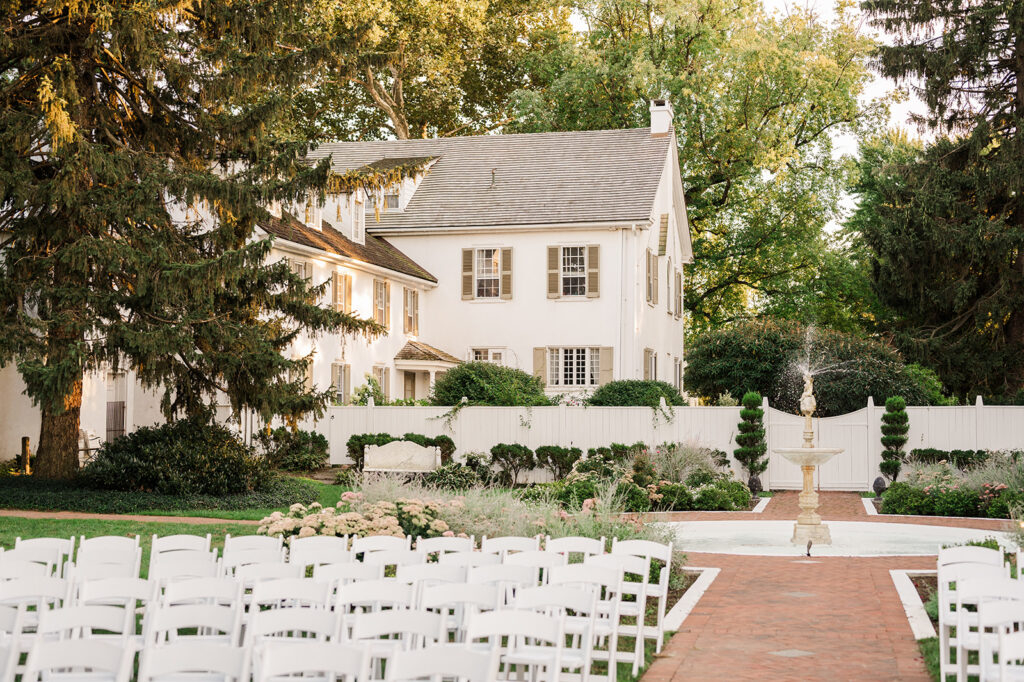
{"x":401,"y":456}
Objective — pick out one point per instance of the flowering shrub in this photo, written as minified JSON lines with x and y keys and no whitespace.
{"x":944,"y":489}
{"x":354,"y":515}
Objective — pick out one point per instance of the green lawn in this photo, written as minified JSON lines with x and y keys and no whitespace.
{"x":13,"y":527}
{"x":328,"y":496}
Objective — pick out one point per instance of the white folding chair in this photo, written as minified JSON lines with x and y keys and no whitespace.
{"x":210,"y":661}
{"x":373,"y":595}
{"x":257,"y":573}
{"x":304,"y":593}
{"x":8,"y":659}
{"x":651,"y":551}
{"x":508,"y":578}
{"x":606,"y":583}
{"x":1011,"y":656}
{"x":447,"y":661}
{"x":969,"y":554}
{"x":126,"y":594}
{"x":443,"y":545}
{"x":40,"y":594}
{"x":948,"y":578}
{"x":534,"y":640}
{"x":89,"y":622}
{"x":47,"y":558}
{"x":247,"y":543}
{"x":379,"y":543}
{"x":634,"y":609}
{"x":199,"y":622}
{"x":394,"y":557}
{"x":457,"y":601}
{"x":233,"y":560}
{"x":579,"y":608}
{"x":81,"y":660}
{"x":509,"y":543}
{"x":574,"y":545}
{"x":540,"y":560}
{"x":284,"y":625}
{"x":995,"y":619}
{"x":63,"y":547}
{"x":165,"y":547}
{"x":971,"y":597}
{"x":109,"y":542}
{"x":317,"y":550}
{"x":292,"y":660}
{"x":469,"y":559}
{"x":421,"y":576}
{"x":343,"y":574}
{"x":220,"y":591}
{"x":94,"y":562}
{"x":384,"y":632}
{"x":13,"y":568}
{"x":183,"y":565}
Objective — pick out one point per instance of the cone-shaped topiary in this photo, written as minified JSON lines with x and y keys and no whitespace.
{"x":750,"y":438}
{"x":895,"y":425}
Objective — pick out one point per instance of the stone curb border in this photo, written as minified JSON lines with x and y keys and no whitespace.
{"x":920,"y":623}
{"x":761,"y":505}
{"x":869,"y":506}
{"x":682,"y":608}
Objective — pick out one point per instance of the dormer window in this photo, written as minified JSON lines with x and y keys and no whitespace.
{"x":390,"y":201}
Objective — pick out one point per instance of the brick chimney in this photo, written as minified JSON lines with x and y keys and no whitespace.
{"x":661,"y":117}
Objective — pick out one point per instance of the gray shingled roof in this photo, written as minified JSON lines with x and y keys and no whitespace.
{"x":540,"y":178}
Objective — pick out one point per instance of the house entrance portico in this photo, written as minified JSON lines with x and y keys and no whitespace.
{"x":421,"y":365}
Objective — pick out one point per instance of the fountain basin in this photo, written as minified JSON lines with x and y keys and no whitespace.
{"x":808,"y":456}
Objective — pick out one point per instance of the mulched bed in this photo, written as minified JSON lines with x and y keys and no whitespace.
{"x":926,"y":586}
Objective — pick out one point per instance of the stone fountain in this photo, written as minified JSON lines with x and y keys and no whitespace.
{"x":808,"y":527}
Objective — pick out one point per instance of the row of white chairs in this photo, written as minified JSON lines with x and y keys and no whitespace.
{"x":981,"y":614}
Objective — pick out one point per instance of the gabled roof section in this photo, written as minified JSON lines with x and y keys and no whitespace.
{"x":376,"y":251}
{"x":602,"y":176}
{"x":417,"y":350}
{"x":397,"y":162}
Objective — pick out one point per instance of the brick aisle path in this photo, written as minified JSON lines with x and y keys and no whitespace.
{"x":783,"y":618}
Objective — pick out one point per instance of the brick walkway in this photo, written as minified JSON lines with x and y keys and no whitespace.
{"x":793,"y":618}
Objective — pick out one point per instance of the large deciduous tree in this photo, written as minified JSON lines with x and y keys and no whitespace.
{"x":758,"y":98}
{"x":134,"y":161}
{"x":429,"y":68}
{"x":947,"y":223}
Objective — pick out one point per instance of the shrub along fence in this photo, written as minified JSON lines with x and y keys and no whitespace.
{"x":477,"y":429}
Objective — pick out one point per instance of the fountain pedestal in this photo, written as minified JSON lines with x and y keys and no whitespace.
{"x":808,"y":526}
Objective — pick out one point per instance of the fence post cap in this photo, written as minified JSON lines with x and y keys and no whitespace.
{"x":871,"y":401}
{"x":369,"y":401}
{"x":978,"y":401}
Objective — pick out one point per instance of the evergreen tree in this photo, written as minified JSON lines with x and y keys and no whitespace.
{"x":750,"y":439}
{"x":948,"y":225}
{"x":895,"y":425}
{"x":135,"y":157}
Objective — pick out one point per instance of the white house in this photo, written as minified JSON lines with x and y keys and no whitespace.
{"x":560,"y":254}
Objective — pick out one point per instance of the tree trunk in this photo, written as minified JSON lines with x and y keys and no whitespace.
{"x":57,"y":456}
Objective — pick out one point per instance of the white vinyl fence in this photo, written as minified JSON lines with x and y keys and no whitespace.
{"x":476,"y":429}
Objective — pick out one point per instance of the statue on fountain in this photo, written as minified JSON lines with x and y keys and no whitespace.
{"x":807,"y":402}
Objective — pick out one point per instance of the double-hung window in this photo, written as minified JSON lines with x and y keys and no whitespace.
{"x":382,"y":302}
{"x":574,"y":366}
{"x":487,"y":273}
{"x":574,"y":271}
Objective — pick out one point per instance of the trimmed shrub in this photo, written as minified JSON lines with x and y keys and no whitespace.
{"x":598,"y":464}
{"x":541,"y":492}
{"x":956,"y":502}
{"x":356,"y":445}
{"x":184,"y":457}
{"x":575,"y":492}
{"x":635,"y":393}
{"x":643,"y":473}
{"x":759,"y":355}
{"x":294,"y":450}
{"x":480,"y":464}
{"x":894,"y":436}
{"x":484,"y":383}
{"x":699,"y":478}
{"x":632,"y":497}
{"x":674,"y":497}
{"x":453,"y":476}
{"x":961,"y":459}
{"x":713,"y":498}
{"x":28,"y":492}
{"x":512,"y":458}
{"x":750,"y":439}
{"x":901,"y":498}
{"x":558,"y":460}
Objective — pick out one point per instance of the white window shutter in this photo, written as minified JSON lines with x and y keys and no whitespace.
{"x":416,"y":312}
{"x":593,"y":271}
{"x":669,"y":300}
{"x":348,"y":293}
{"x":554,"y":286}
{"x":347,"y":384}
{"x":387,"y":305}
{"x":337,"y":294}
{"x":407,"y":317}
{"x":506,"y":273}
{"x":647,"y":275}
{"x":654,"y":285}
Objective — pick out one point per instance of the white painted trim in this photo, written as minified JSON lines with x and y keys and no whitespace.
{"x":869,"y":506}
{"x":920,"y":623}
{"x":761,"y":505}
{"x":510,"y":228}
{"x":682,"y":608}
